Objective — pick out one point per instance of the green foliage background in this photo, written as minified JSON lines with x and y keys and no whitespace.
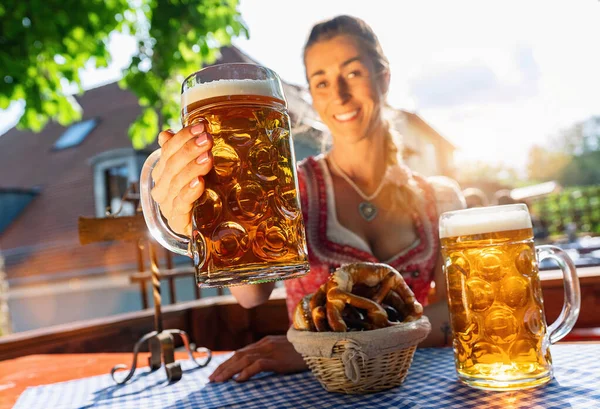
{"x":572,"y":158}
{"x":576,"y":204}
{"x":45,"y":44}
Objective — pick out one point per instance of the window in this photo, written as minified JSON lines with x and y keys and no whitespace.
{"x":114,"y":172}
{"x":116,"y":182}
{"x":12,"y":203}
{"x":75,"y":134}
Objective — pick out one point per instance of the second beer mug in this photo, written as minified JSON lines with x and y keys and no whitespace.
{"x":247,"y":226}
{"x":501,"y":340}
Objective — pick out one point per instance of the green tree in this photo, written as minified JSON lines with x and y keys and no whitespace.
{"x":45,"y":43}
{"x":572,"y":158}
{"x":545,"y":165}
{"x":583,"y":170}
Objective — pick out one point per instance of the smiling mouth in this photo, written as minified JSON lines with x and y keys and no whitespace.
{"x":348,"y":116}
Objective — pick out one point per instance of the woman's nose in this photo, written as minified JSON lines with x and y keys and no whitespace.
{"x":342,"y":90}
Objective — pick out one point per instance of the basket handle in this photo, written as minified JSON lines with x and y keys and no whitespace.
{"x":353,"y":353}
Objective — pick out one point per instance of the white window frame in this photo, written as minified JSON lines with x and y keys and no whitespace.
{"x":102,"y":162}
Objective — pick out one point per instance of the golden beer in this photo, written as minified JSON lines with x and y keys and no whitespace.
{"x":248,"y":219}
{"x":500,"y":337}
{"x":247,"y":226}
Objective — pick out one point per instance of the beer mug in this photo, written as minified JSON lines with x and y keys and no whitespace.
{"x":247,"y":226}
{"x":500,"y":337}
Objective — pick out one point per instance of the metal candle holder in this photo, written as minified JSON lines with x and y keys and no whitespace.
{"x":160,"y":341}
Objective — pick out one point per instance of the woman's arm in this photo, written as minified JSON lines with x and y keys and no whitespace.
{"x":249,"y":296}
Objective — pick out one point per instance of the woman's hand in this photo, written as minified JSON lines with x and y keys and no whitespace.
{"x":178,"y":175}
{"x":270,"y":354}
{"x":178,"y":182}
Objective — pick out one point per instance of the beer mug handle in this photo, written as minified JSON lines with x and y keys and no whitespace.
{"x":154,"y":220}
{"x":570,"y":311}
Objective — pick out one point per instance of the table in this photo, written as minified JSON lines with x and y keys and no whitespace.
{"x":33,"y":370}
{"x":431,"y":383}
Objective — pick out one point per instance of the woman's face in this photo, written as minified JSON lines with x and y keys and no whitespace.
{"x":346,"y":92}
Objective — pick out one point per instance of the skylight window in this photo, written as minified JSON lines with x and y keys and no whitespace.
{"x":12,"y":203}
{"x":75,"y":134}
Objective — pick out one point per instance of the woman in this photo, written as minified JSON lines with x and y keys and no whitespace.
{"x":376,"y":208}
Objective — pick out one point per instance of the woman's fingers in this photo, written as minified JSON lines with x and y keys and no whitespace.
{"x":178,"y":183}
{"x":185,"y":192}
{"x":272,"y":353}
{"x":188,"y":194}
{"x":239,"y":360}
{"x":233,"y":366}
{"x":194,"y":150}
{"x":174,"y":144}
{"x":191,"y":160}
{"x":164,"y":136}
{"x":256,"y":367}
{"x":187,"y":185}
{"x":170,"y":145}
{"x":180,"y":211}
{"x":181,"y":224}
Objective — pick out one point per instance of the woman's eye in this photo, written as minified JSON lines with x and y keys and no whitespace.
{"x":321,"y":84}
{"x":354,"y":74}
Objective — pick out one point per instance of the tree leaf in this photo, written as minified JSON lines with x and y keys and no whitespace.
{"x":78,"y":32}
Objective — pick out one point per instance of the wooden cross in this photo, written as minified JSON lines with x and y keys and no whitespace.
{"x":160,"y":341}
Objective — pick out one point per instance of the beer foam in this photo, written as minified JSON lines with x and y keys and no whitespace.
{"x":266,"y":88}
{"x":484,"y":220}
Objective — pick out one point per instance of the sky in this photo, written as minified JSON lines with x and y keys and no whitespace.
{"x":492,"y":77}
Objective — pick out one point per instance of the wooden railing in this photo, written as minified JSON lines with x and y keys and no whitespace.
{"x":589,"y":280}
{"x":143,"y":278}
{"x":217,"y":323}
{"x":220,"y":323}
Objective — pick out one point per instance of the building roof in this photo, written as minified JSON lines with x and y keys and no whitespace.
{"x":418,"y":122}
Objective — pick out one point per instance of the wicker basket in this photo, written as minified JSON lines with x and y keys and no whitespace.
{"x":361,"y":362}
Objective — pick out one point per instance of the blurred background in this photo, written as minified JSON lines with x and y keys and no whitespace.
{"x":502,"y":97}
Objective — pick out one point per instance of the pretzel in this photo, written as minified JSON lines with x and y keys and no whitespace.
{"x":355,"y":319}
{"x":302,"y":317}
{"x":319,"y":298}
{"x":336,"y":302}
{"x":319,"y":316}
{"x":376,"y":284}
{"x":410,"y":312}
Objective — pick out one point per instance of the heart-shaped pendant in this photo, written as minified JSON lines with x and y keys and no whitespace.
{"x":367,"y":210}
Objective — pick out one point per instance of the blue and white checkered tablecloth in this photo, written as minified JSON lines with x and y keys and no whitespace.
{"x":431,"y":383}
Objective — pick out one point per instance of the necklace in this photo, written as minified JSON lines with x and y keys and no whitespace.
{"x":366,"y":209}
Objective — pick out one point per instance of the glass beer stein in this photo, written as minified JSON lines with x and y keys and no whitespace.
{"x":247,"y":226}
{"x":500,"y":337}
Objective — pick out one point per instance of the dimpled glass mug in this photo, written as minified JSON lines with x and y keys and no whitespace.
{"x":500,"y":337}
{"x":247,"y":226}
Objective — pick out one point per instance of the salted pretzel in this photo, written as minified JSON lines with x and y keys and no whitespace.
{"x":378,"y":284}
{"x":302,"y":315}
